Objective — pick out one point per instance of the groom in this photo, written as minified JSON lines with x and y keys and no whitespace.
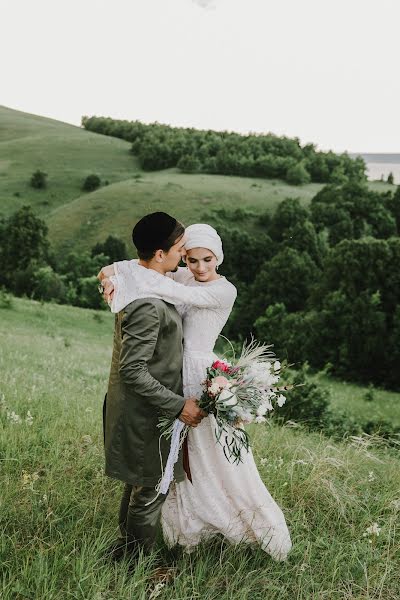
{"x":145,"y":382}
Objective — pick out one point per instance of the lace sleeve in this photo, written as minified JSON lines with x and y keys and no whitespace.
{"x":132,"y":281}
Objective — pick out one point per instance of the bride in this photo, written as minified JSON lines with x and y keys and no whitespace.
{"x":223,"y":498}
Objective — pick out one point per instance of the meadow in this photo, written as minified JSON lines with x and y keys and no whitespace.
{"x":58,"y":510}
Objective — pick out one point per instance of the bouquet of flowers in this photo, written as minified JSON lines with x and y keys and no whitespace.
{"x":236,"y":393}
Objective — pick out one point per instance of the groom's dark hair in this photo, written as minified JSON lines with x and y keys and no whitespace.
{"x":156,"y":231}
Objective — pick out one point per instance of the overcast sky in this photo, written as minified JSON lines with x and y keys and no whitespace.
{"x":326,"y":71}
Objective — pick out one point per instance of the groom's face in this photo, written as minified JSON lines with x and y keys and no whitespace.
{"x":173,"y":257}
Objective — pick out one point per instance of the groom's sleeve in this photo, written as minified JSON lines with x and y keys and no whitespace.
{"x":140,"y":328}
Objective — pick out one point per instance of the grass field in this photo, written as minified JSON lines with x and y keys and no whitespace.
{"x":58,"y":511}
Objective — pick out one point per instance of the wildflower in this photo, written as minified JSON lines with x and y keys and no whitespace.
{"x":300,"y":461}
{"x":89,"y":409}
{"x":29,"y":418}
{"x":87,"y":440}
{"x":279,"y":462}
{"x":28,"y":479}
{"x":395,"y":504}
{"x":374,"y":529}
{"x":264,"y":461}
{"x":371,"y":476}
{"x":281,"y":400}
{"x":260,"y":419}
{"x":13,"y":417}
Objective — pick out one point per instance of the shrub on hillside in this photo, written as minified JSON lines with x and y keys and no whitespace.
{"x":91,"y":183}
{"x":297,"y":174}
{"x":5,"y":299}
{"x":48,"y":285}
{"x":189,"y":164}
{"x":39,"y":180}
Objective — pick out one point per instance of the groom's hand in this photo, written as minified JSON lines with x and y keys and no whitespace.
{"x":191,"y":414}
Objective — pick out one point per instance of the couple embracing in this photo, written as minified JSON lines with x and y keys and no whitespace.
{"x":168,"y":319}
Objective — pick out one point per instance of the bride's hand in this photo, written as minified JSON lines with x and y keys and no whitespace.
{"x":106,"y":272}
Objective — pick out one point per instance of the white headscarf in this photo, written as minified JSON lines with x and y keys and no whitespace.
{"x":202,"y":235}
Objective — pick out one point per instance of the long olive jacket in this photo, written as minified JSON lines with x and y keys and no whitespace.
{"x":145,"y":382}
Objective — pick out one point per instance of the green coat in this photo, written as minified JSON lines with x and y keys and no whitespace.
{"x":145,"y":382}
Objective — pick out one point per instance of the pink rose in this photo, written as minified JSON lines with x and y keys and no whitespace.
{"x":221,"y":365}
{"x":221,"y":381}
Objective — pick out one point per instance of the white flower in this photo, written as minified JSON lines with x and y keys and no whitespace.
{"x":277,"y":365}
{"x":260,"y":419}
{"x":395,"y":504}
{"x":279,"y":462}
{"x":300,"y":461}
{"x":371,"y":476}
{"x":214,"y":388}
{"x":227,"y":398}
{"x":374,"y":529}
{"x":263,"y":461}
{"x":281,"y":400}
{"x":262,"y":410}
{"x":28,"y":418}
{"x":13,"y":417}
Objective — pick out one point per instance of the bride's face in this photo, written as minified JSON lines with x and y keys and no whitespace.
{"x":202,"y":263}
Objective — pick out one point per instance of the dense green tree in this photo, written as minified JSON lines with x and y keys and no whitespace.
{"x":287,"y":215}
{"x":303,"y":237}
{"x":392,"y":203}
{"x":23,"y":240}
{"x":114,"y":248}
{"x":390,"y":178}
{"x":288,"y":277}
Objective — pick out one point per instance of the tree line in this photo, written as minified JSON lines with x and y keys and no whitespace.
{"x":226,"y":153}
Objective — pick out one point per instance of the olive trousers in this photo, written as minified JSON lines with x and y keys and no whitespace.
{"x":139,"y":523}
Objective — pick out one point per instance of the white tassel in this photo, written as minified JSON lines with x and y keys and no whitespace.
{"x":168,"y":475}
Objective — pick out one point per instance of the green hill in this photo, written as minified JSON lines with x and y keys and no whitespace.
{"x":115,"y":208}
{"x":76,"y":219}
{"x":65,"y":152}
{"x":68,"y":154}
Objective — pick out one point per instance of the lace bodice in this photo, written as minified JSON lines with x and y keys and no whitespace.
{"x":205,"y":307}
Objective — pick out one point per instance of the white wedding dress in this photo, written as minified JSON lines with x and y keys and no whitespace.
{"x":223,"y":498}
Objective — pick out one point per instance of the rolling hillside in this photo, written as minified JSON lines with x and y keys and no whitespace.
{"x":77,"y":219}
